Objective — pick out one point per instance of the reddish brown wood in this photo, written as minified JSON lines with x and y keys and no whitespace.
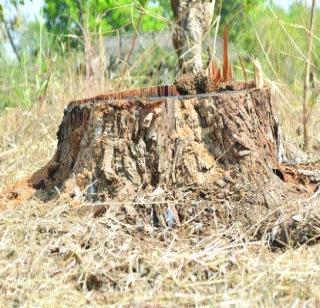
{"x":148,"y":92}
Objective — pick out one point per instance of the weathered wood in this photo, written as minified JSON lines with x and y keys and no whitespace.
{"x":113,"y":148}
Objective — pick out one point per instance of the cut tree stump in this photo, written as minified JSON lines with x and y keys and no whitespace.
{"x":176,"y":155}
{"x":119,"y":144}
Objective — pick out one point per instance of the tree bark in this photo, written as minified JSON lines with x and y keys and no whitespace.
{"x":117,"y":144}
{"x":193,"y":20}
{"x":87,"y":41}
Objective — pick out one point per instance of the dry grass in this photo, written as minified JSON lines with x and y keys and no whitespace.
{"x":289,"y":110}
{"x":28,"y":136}
{"x":53,"y":255}
{"x":57,"y":254}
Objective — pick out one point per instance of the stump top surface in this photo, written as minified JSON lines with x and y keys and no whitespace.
{"x":155,"y":93}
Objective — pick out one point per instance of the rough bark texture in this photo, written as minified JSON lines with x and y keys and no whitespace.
{"x":116,"y":148}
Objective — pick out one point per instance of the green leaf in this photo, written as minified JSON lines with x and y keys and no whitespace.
{"x":1,"y":12}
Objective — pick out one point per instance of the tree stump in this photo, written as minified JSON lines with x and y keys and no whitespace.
{"x":160,"y":156}
{"x":120,"y":144}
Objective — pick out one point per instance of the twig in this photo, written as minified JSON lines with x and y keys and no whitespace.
{"x":243,"y":69}
{"x":306,"y":86}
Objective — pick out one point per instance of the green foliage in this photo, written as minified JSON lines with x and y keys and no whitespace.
{"x":69,"y":16}
{"x":15,"y":89}
{"x":232,"y":11}
{"x":21,"y":84}
{"x":1,"y":12}
{"x":234,"y":14}
{"x":278,"y":39}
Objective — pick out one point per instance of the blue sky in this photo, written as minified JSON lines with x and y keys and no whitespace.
{"x":287,"y":3}
{"x":284,"y":3}
{"x":32,"y":9}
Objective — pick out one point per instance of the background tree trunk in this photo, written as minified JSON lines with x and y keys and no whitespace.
{"x":193,"y":20}
{"x":306,"y":88}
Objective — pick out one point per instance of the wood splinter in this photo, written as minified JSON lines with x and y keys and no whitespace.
{"x":258,"y":74}
{"x":214,"y":71}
